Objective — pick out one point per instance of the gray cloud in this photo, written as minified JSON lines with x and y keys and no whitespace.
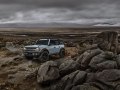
{"x":67,"y":11}
{"x":58,"y":3}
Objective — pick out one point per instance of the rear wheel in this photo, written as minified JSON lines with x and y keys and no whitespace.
{"x":62,"y":53}
{"x":44,"y":56}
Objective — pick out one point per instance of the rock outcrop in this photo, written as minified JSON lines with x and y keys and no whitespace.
{"x":108,"y":41}
{"x":94,"y":69}
{"x":48,"y":72}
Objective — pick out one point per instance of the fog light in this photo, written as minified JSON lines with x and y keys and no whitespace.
{"x":24,"y":49}
{"x":35,"y":54}
{"x":37,"y":49}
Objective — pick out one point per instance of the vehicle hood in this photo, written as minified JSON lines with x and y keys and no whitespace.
{"x":36,"y":46}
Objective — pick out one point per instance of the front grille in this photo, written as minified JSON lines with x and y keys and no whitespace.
{"x":30,"y":49}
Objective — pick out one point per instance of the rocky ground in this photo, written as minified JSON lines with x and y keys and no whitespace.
{"x":18,"y":73}
{"x":90,"y":67}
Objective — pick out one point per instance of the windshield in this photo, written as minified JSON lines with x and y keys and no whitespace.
{"x":42,"y":42}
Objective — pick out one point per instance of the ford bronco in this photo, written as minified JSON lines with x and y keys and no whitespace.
{"x":44,"y":48}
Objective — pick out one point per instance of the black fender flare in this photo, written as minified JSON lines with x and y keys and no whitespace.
{"x":62,"y":49}
{"x":44,"y":50}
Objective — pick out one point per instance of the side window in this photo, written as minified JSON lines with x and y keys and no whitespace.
{"x":57,"y":42}
{"x":54,"y":42}
{"x":61,"y":42}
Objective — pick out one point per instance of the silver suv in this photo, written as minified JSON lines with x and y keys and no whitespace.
{"x":43,"y":48}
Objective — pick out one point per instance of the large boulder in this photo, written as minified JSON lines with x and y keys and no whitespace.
{"x":106,"y":65}
{"x":118,"y":60}
{"x":68,"y":66}
{"x":105,"y":60}
{"x":108,"y":75}
{"x":108,"y":41}
{"x":102,"y":85}
{"x":89,"y":47}
{"x":48,"y":72}
{"x":84,"y":87}
{"x":117,"y":87}
{"x":101,"y":58}
{"x":86,"y":57}
{"x":90,"y":77}
{"x":75,"y":78}
{"x":107,"y":79}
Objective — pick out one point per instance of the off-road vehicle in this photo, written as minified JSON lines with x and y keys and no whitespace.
{"x":44,"y":48}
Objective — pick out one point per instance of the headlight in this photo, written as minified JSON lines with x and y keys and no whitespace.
{"x":24,"y":48}
{"x":37,"y":49}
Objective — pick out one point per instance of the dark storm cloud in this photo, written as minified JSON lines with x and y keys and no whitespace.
{"x":70,"y":4}
{"x":65,"y":11}
{"x":57,"y":3}
{"x":85,"y":5}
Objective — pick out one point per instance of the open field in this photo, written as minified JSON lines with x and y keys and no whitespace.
{"x":62,"y":33}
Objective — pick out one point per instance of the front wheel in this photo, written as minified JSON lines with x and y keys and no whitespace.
{"x":44,"y":56}
{"x":62,"y":53}
{"x":28,"y":57}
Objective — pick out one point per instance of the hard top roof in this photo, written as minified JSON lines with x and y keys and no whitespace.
{"x":49,"y":39}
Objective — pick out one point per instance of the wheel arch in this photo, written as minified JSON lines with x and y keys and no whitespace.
{"x":62,"y":49}
{"x":44,"y":49}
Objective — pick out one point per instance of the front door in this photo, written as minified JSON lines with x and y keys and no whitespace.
{"x":54,"y":47}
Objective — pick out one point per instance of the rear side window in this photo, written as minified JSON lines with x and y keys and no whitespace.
{"x":54,"y":42}
{"x":61,"y":42}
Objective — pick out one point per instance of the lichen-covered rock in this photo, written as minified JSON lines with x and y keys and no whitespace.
{"x":48,"y":72}
{"x":102,"y":85}
{"x":117,"y":87}
{"x":90,"y":77}
{"x":99,"y":65}
{"x":109,"y":75}
{"x":108,"y":41}
{"x":118,"y":60}
{"x":84,"y":87}
{"x":101,"y":58}
{"x":68,"y":66}
{"x":86,"y":57}
{"x":105,"y":65}
{"x":75,"y":78}
{"x":105,"y":60}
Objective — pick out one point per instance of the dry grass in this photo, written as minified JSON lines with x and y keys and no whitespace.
{"x":71,"y":51}
{"x":6,"y":53}
{"x":9,"y":53}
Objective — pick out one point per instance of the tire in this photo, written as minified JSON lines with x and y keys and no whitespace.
{"x":44,"y":56}
{"x":62,"y":53}
{"x":28,"y":58}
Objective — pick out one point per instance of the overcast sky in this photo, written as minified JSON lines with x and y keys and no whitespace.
{"x":60,"y":11}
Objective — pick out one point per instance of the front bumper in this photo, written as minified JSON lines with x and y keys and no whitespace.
{"x":32,"y":54}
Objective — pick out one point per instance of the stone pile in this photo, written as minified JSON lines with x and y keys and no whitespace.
{"x":94,"y":69}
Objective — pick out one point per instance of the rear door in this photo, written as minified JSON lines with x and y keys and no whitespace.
{"x":54,"y":47}
{"x":57,"y":46}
